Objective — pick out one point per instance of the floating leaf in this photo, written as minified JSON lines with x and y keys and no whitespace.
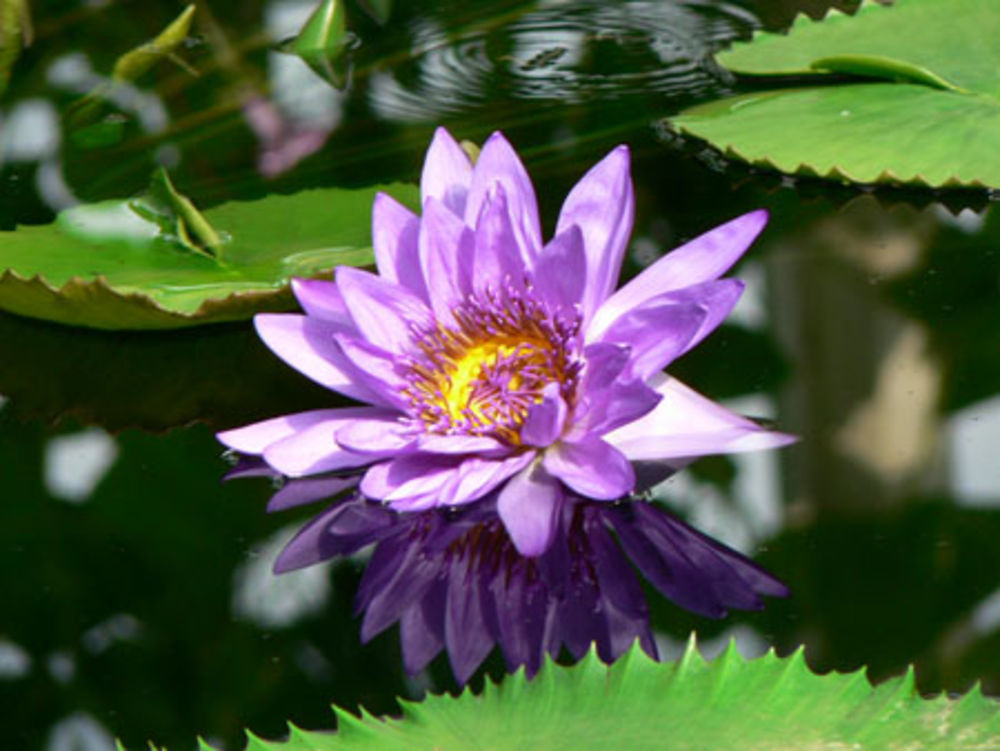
{"x":103,"y":265}
{"x":923,"y":106}
{"x":768,"y":704}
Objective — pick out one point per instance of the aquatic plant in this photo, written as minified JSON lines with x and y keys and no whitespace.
{"x":494,"y":364}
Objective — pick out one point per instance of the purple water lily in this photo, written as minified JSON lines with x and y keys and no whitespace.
{"x":453,"y":579}
{"x":495,"y":366}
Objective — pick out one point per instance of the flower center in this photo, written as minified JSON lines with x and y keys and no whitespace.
{"x":480,"y":375}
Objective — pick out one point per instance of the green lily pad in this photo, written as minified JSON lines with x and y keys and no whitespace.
{"x":767,"y":704}
{"x":920,"y":104}
{"x":105,"y":266}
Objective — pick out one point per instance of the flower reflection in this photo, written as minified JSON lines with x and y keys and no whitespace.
{"x":453,"y":579}
{"x":514,"y":403}
{"x":489,"y":361}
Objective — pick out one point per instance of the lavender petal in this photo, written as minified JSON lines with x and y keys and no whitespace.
{"x":685,"y":424}
{"x":705,"y":258}
{"x":602,"y":205}
{"x":395,"y":231}
{"x":529,"y":506}
{"x":447,"y":172}
{"x":499,"y":164}
{"x":384,"y":312}
{"x":308,"y":345}
{"x":591,"y":467}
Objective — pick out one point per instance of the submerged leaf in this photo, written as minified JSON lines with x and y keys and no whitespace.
{"x":769,"y":704}
{"x":923,"y":106}
{"x":103,"y":265}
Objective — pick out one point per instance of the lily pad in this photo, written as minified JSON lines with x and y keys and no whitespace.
{"x":769,"y":704}
{"x":105,"y":266}
{"x":908,"y":93}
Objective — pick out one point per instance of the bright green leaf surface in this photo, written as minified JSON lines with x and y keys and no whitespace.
{"x":103,"y":266}
{"x":929,"y":116}
{"x":767,"y":704}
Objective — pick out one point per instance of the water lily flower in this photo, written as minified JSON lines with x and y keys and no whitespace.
{"x":493,"y":365}
{"x":453,"y":579}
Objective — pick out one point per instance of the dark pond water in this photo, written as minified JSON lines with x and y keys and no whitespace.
{"x":136,"y":595}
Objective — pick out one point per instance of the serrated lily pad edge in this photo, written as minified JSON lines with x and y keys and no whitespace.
{"x":800,"y":19}
{"x":73,"y":303}
{"x":899,"y":690}
{"x":886,"y":178}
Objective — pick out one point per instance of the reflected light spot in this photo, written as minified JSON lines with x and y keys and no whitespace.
{"x":79,"y":732}
{"x":973,"y":435}
{"x":62,"y":666}
{"x":277,"y":601}
{"x":76,"y":463}
{"x":30,"y":132}
{"x":15,"y":662}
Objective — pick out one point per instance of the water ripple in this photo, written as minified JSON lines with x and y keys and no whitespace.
{"x":574,"y":51}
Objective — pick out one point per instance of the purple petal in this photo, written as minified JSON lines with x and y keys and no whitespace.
{"x":657,"y":335}
{"x":382,"y":567}
{"x":529,"y":506}
{"x":412,"y":579}
{"x":602,"y":206}
{"x":434,"y":443}
{"x":521,"y":608}
{"x":716,"y":298}
{"x":591,"y":467}
{"x":446,"y":247}
{"x":381,"y":436}
{"x":376,"y":369}
{"x":305,"y":490}
{"x":309,"y":345}
{"x":496,"y":258}
{"x":546,"y":419}
{"x":477,"y":476}
{"x":623,"y":632}
{"x":605,"y":361}
{"x":321,"y":299}
{"x":254,"y":438}
{"x":408,"y":476}
{"x":342,"y":529}
{"x":465,"y":628}
{"x":499,"y":164}
{"x":395,"y":233}
{"x":421,"y":629}
{"x":720,"y":568}
{"x":306,"y":548}
{"x":560,"y":272}
{"x":705,"y":258}
{"x":314,"y":450}
{"x":384,"y":312}
{"x":686,"y":424}
{"x":447,"y":172}
{"x":603,"y":410}
{"x":667,"y":570}
{"x":618,"y":583}
{"x":580,"y":619}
